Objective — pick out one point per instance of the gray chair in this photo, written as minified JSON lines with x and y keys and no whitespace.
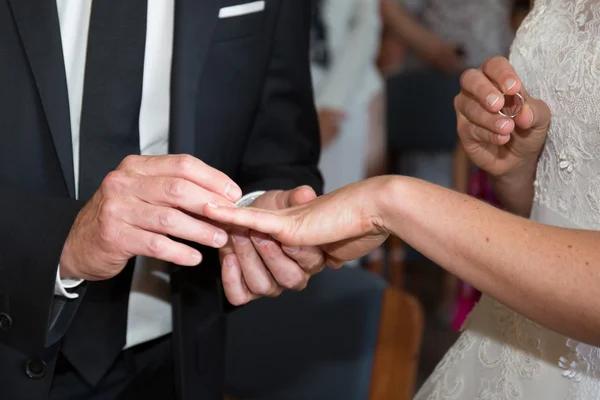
{"x":318,"y":344}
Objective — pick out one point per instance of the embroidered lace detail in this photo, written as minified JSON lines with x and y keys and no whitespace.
{"x":557,"y":55}
{"x":443,"y":386}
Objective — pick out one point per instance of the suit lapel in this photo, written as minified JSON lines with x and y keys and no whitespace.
{"x":38,"y":25}
{"x":195,"y":22}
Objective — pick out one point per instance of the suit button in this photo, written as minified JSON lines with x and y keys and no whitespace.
{"x":5,"y":321}
{"x":35,"y":368}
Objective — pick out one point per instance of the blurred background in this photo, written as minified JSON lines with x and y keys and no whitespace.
{"x":384,"y":77}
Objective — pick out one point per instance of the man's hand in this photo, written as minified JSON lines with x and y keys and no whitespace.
{"x":254,"y":265}
{"x":329,"y":124}
{"x":140,"y":204}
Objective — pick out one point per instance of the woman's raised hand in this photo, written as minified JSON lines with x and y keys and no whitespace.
{"x":497,"y":144}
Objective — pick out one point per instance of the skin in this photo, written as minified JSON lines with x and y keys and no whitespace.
{"x":149,"y":199}
{"x":548,"y":274}
{"x":329,"y":124}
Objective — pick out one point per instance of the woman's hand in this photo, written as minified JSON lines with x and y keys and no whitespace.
{"x":497,"y":144}
{"x":506,"y":148}
{"x":345,"y":223}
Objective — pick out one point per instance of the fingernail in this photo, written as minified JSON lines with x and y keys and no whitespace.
{"x":291,"y":249}
{"x":260,"y":240}
{"x":492,"y":99}
{"x":500,"y":124}
{"x":509,"y":84}
{"x":220,"y":239}
{"x":196,"y":258}
{"x":212,"y":205}
{"x":233,"y":192}
{"x":240,"y":239}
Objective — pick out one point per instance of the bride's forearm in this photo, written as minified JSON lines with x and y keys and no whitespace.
{"x":549,"y":274}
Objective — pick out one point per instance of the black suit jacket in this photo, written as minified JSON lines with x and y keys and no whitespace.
{"x":241,"y":101}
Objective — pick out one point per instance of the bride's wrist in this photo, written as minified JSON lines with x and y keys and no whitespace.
{"x":388,"y":201}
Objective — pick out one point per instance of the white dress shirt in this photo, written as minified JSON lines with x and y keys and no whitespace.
{"x":149,"y":313}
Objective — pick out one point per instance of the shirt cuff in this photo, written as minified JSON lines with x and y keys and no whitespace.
{"x":62,"y":285}
{"x":248,"y":199}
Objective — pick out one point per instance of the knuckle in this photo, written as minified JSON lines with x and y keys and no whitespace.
{"x":457,"y":102}
{"x":490,"y":61}
{"x":264,"y":287}
{"x":474,"y":131}
{"x":481,"y":90}
{"x":166,"y":218}
{"x":113,"y":182}
{"x":110,"y":210}
{"x":129,"y":161}
{"x":297,"y":282}
{"x":237,"y":300}
{"x":155,"y":246}
{"x":184,"y":163}
{"x":467,"y":76}
{"x":174,"y":188}
{"x":469,"y":112}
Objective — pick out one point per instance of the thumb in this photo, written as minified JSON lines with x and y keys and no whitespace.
{"x":535,"y":115}
{"x":301,"y":195}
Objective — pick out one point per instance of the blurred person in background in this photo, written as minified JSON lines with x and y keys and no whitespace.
{"x":422,"y":128}
{"x":345,"y":44}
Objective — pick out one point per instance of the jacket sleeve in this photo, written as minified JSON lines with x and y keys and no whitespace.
{"x":284,"y":146}
{"x":33,"y":231}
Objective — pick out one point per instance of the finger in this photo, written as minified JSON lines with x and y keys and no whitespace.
{"x":154,"y":245}
{"x":170,"y":221}
{"x":470,"y":132}
{"x":310,"y":258}
{"x":176,"y":192}
{"x":260,"y":220}
{"x":258,"y":279}
{"x":475,"y":84}
{"x":186,"y":167}
{"x":234,"y":286}
{"x":476,"y":114}
{"x":301,"y":195}
{"x":501,"y":72}
{"x":286,"y":272}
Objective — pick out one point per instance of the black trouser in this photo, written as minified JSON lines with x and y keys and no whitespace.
{"x":142,"y":372}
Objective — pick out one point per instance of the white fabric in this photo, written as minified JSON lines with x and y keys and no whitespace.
{"x":242,"y":9}
{"x":353,"y":34}
{"x":343,"y":161}
{"x":149,"y":313}
{"x":349,"y":84}
{"x":501,"y":354}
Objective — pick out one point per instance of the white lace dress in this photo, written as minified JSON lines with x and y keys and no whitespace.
{"x":502,"y":355}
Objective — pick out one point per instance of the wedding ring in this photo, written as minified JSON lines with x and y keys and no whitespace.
{"x":522,"y":105}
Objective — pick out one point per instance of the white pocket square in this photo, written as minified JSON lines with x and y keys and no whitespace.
{"x":242,"y":9}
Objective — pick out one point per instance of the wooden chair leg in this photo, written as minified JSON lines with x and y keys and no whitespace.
{"x":398,"y":347}
{"x":396,"y":253}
